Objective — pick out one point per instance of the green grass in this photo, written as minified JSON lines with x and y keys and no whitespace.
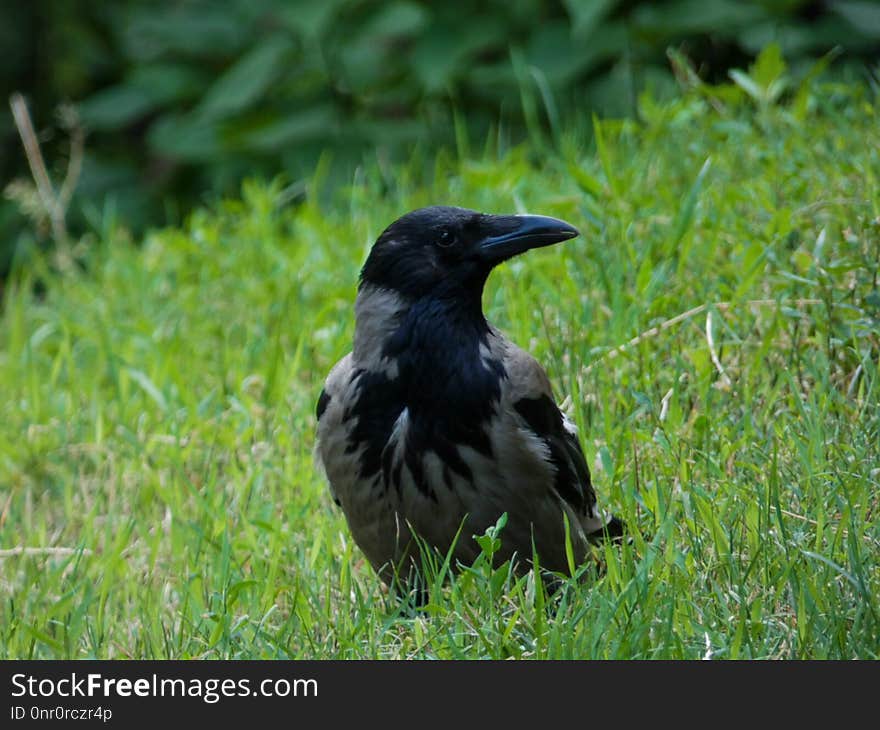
{"x":156,"y":427}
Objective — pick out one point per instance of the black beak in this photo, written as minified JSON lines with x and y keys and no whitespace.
{"x":510,"y":235}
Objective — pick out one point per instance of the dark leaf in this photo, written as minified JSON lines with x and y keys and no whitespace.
{"x":246,"y":80}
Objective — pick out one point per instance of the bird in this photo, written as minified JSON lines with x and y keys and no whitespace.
{"x":436,"y":425}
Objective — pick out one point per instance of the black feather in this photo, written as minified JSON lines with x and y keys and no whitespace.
{"x":378,"y":404}
{"x":323,"y":402}
{"x":451,"y":408}
{"x":572,"y":481}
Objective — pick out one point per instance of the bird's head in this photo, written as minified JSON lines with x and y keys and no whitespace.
{"x":444,"y":249}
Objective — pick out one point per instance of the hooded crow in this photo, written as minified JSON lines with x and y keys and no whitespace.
{"x":436,"y":424}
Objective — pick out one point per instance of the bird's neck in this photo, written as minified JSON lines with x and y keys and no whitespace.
{"x":443,"y":354}
{"x":441,"y":346}
{"x":378,"y":313}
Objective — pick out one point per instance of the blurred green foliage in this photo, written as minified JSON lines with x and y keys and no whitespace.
{"x":183,"y":98}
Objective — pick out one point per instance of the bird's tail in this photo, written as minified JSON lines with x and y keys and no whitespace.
{"x":614,"y":529}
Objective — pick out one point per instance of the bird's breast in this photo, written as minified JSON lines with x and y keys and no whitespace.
{"x":393,"y":426}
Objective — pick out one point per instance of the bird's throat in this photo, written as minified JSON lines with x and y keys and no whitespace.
{"x":437,"y":347}
{"x":441,"y":348}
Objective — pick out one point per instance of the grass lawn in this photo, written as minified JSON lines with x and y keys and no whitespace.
{"x":716,"y":328}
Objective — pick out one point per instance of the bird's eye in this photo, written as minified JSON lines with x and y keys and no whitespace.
{"x":447,"y":239}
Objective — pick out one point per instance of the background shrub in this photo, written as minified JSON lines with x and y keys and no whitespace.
{"x":183,"y":98}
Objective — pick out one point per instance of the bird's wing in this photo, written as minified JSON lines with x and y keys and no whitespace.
{"x":332,"y":446}
{"x":336,"y":382}
{"x":529,"y":395}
